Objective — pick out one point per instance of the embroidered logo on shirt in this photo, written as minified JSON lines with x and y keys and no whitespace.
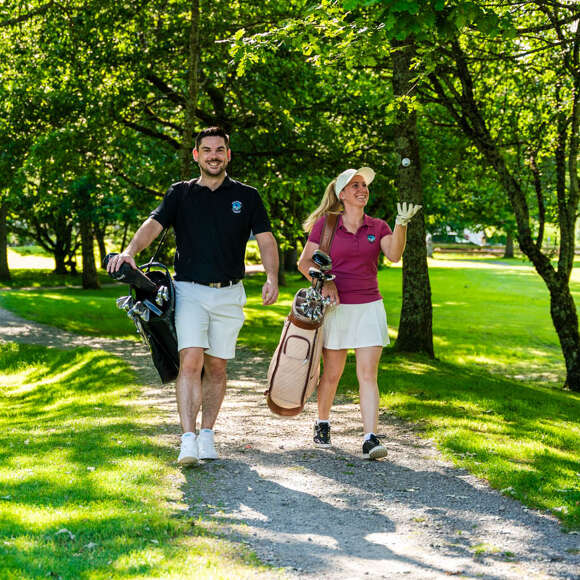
{"x":237,"y":206}
{"x":371,"y":238}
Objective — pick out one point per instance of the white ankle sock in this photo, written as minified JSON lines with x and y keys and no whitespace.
{"x":368,"y":436}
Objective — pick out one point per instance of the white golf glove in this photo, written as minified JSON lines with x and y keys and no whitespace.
{"x":405,"y":212}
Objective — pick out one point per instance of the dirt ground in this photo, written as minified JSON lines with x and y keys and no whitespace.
{"x":327,"y":513}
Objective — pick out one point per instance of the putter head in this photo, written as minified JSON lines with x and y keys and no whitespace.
{"x":322,"y":260}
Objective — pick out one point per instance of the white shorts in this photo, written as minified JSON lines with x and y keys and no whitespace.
{"x":209,"y":318}
{"x":356,"y":326}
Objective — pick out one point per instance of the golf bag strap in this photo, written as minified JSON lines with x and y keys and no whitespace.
{"x":154,"y":258}
{"x":328,"y":231}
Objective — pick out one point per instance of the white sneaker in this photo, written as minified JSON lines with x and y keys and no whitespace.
{"x":188,"y":454}
{"x":205,"y":444}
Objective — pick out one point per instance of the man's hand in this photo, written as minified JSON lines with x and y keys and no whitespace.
{"x":269,"y":292}
{"x":405,"y":212}
{"x":117,"y":261}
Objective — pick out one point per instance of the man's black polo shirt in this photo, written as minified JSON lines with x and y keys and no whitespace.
{"x":211,"y":228}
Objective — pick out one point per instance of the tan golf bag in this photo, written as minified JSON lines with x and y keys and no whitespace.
{"x":295,"y":367}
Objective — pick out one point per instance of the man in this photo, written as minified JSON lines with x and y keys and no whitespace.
{"x":212,"y":216}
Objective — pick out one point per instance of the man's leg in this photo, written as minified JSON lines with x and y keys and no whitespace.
{"x":188,"y":387}
{"x":214,"y":390}
{"x":226,"y":319}
{"x":188,"y":390}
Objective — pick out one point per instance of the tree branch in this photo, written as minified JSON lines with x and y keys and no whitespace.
{"x":28,"y":16}
{"x":152,"y":133}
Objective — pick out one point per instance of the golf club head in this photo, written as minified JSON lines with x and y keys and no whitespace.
{"x":125,"y":303}
{"x":315,"y":273}
{"x":139,"y":309}
{"x":162,"y":295}
{"x":322,"y":260}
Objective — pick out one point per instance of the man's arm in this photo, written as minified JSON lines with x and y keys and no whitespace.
{"x":150,"y":229}
{"x":269,"y":255}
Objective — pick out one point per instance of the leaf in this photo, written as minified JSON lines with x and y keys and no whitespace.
{"x":65,"y":531}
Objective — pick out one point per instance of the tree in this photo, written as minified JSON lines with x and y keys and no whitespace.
{"x":546,"y":127}
{"x":416,"y":323}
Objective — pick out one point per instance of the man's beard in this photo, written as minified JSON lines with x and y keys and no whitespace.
{"x":214,"y":171}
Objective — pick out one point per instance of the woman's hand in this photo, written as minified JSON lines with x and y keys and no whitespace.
{"x":329,"y":290}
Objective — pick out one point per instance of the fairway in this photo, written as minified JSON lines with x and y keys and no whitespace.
{"x":492,"y":398}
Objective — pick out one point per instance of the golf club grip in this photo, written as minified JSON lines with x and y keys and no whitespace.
{"x":133,"y":277}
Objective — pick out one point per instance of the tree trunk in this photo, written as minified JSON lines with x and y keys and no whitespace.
{"x":291,"y":260}
{"x":192,"y":91}
{"x":90,"y":277}
{"x":100,"y":237}
{"x":60,"y":259}
{"x":565,"y":319}
{"x":416,"y":323}
{"x":281,"y":274}
{"x":509,"y":246}
{"x":4,"y":269}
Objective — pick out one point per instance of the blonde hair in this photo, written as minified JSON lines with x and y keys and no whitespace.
{"x":329,"y":204}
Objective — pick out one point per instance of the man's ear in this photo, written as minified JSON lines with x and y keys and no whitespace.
{"x":229,"y":154}
{"x":195,"y":154}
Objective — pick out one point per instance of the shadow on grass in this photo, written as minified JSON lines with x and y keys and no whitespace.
{"x":523,"y":438}
{"x":85,"y":312}
{"x":43,"y":277}
{"x":84,"y":478}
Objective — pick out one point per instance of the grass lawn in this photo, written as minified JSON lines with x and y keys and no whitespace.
{"x":30,"y":266}
{"x":492,"y":399}
{"x":88,"y":312}
{"x":88,"y":483}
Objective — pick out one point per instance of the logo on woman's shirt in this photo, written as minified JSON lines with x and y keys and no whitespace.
{"x":237,"y":206}
{"x":371,"y":238}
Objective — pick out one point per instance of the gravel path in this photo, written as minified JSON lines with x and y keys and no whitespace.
{"x":326,"y":513}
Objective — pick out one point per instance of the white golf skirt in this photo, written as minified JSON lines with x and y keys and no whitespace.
{"x":356,"y":326}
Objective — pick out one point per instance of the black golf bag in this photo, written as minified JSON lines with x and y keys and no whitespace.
{"x":151,"y":307}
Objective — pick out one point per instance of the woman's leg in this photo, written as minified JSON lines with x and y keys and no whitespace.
{"x":333,"y":361}
{"x":367,"y":366}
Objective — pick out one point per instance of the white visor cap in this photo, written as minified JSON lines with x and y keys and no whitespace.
{"x":345,"y":177}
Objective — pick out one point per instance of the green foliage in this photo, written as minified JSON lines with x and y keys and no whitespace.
{"x":253,"y":253}
{"x":42,"y":277}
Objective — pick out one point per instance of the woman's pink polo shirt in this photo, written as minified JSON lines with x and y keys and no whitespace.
{"x":355,"y":258}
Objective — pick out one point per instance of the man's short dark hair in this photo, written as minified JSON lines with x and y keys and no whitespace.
{"x":212,"y":132}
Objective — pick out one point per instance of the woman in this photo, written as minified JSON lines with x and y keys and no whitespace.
{"x":357,"y":319}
